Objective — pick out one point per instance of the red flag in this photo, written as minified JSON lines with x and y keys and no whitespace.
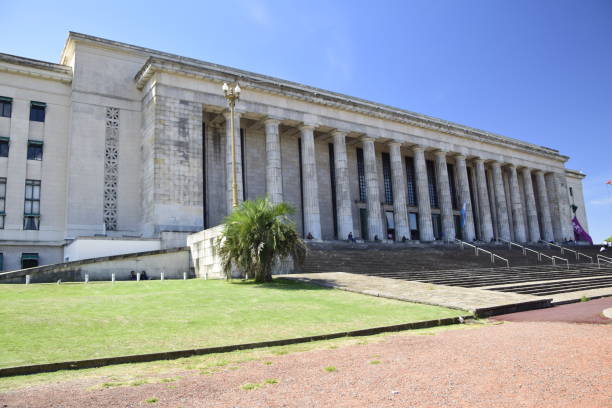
{"x":609,"y":182}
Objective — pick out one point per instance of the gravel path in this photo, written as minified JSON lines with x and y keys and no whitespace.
{"x":517,"y":364}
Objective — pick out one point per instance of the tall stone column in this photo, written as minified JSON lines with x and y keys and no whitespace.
{"x":400,"y":210}
{"x":274,"y":178}
{"x":310,"y":188}
{"x":444,"y":195}
{"x":420,"y":169}
{"x":547,"y":228}
{"x":517,"y":206}
{"x":565,"y":213}
{"x":464,"y":198}
{"x":486,"y":223}
{"x":372,"y":191}
{"x":229,"y":159}
{"x":555,"y":208}
{"x":343,"y":193}
{"x":500,"y":201}
{"x":532,"y":212}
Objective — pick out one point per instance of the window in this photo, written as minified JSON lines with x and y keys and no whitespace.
{"x":571,"y":192}
{"x":2,"y":201}
{"x":35,"y":150}
{"x":1,"y":262}
{"x":386,"y":163}
{"x":6,"y":105}
{"x":29,"y":260}
{"x":361,"y":175}
{"x":31,"y":213}
{"x":431,"y":183}
{"x":436,"y":222}
{"x":413,"y":221}
{"x":411,"y":182}
{"x":451,"y":183}
{"x":37,"y":111}
{"x":4,"y":146}
{"x":332,"y":179}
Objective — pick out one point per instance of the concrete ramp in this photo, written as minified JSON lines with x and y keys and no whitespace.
{"x":172,"y":262}
{"x":481,"y":302}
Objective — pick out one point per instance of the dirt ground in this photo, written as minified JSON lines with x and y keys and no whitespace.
{"x":513,"y":364}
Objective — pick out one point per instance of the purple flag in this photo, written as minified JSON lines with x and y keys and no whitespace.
{"x":579,"y":233}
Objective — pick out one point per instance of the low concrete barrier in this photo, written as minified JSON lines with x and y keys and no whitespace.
{"x":172,"y":355}
{"x":172,"y":262}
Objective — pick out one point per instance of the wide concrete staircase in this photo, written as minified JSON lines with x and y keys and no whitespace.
{"x":449,"y":265}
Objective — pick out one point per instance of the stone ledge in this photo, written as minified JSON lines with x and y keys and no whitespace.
{"x":172,"y":355}
{"x":74,"y":264}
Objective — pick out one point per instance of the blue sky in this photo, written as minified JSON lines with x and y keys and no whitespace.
{"x":539,"y":71}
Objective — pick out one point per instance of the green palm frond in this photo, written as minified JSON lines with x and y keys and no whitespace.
{"x":257,"y":234}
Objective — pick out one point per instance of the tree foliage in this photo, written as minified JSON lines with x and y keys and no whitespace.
{"x":257,"y":234}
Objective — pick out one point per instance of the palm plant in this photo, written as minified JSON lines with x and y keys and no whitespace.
{"x":257,"y":234}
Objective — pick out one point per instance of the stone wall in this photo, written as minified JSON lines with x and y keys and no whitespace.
{"x":173,"y":263}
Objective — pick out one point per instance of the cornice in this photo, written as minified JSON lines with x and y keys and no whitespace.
{"x":35,"y":68}
{"x":575,"y":173}
{"x":296,"y":91}
{"x":174,"y":64}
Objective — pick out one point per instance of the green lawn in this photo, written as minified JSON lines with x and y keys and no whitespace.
{"x":47,"y":322}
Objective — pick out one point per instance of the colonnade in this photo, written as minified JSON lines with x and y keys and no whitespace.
{"x":509,"y":208}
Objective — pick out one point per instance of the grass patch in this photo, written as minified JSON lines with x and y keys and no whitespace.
{"x":375,"y":362}
{"x":330,"y":369}
{"x":151,"y":400}
{"x":271,"y":381}
{"x":156,"y":371}
{"x":250,"y":386}
{"x":43,"y":323}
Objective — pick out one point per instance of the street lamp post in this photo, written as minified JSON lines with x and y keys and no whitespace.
{"x":232,"y":94}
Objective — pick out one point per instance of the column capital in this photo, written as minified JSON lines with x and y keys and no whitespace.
{"x":272,"y":121}
{"x":417,"y":148}
{"x":479,"y":160}
{"x":307,"y":126}
{"x":339,"y":132}
{"x":395,"y":143}
{"x":367,"y":139}
{"x":460,"y":156}
{"x":511,"y":166}
{"x":538,"y":172}
{"x":495,"y":164}
{"x":441,"y":153}
{"x":227,"y":113}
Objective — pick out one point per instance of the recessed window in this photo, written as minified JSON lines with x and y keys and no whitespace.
{"x":31,"y":213}
{"x":35,"y":150}
{"x":29,"y":260}
{"x":6,"y":106}
{"x":1,"y":262}
{"x":4,"y":146}
{"x":2,"y":201}
{"x":37,"y":111}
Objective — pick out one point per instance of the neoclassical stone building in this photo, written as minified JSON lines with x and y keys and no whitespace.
{"x":121,"y":141}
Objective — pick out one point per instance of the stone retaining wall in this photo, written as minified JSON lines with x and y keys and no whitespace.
{"x":172,"y":262}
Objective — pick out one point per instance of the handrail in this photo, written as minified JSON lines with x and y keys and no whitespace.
{"x":493,"y":256}
{"x":476,"y":249}
{"x":523,"y":248}
{"x":604,"y":259}
{"x":578,"y":254}
{"x":547,"y":256}
{"x":561,"y":259}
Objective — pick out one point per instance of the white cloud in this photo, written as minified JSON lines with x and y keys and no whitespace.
{"x":258,"y":12}
{"x":602,"y":201}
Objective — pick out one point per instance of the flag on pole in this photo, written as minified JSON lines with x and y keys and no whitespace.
{"x":609,"y":182}
{"x":579,"y":233}
{"x":463,"y":213}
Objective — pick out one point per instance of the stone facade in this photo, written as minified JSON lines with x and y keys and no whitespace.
{"x":161,"y":168}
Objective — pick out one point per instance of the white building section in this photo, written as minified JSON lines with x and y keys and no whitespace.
{"x":122,"y":142}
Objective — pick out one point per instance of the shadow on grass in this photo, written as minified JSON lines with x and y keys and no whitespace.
{"x":280,"y":284}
